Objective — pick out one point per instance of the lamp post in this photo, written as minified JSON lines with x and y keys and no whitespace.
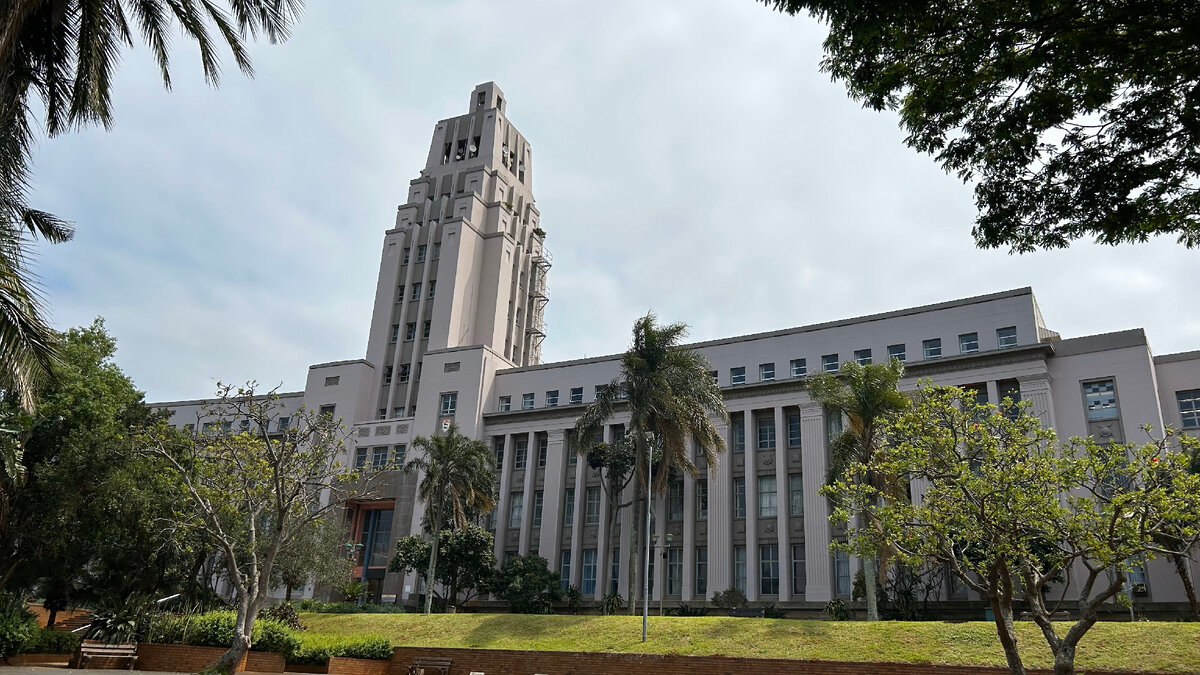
{"x":646,"y":574}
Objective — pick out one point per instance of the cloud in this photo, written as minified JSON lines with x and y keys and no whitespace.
{"x":689,"y":158}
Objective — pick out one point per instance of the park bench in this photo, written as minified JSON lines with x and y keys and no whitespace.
{"x":124,"y":653}
{"x":429,"y":666}
{"x":751,"y":612}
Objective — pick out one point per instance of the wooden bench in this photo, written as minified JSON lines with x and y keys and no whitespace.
{"x":429,"y":666}
{"x":751,"y":612}
{"x":125,"y":653}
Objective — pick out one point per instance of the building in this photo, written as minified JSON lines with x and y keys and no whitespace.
{"x":456,"y":336}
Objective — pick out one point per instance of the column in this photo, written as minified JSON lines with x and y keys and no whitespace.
{"x":816,"y":508}
{"x":577,"y":528}
{"x":720,"y":518}
{"x":502,"y":499}
{"x":751,"y":506}
{"x":1036,"y":390}
{"x":527,"y":488}
{"x":603,"y":562}
{"x":689,"y":538}
{"x":552,"y":517}
{"x":781,"y":498}
{"x":993,"y":392}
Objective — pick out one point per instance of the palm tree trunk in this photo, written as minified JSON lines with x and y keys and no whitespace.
{"x":433,"y":556}
{"x":635,"y":545}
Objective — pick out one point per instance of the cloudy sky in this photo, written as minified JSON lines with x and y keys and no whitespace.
{"x":691,"y":160}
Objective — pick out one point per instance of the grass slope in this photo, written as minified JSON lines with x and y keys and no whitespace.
{"x":1148,"y":647}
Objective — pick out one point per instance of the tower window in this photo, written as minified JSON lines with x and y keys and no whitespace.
{"x":480,"y":99}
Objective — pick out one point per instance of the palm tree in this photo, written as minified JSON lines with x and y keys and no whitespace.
{"x":670,"y":396}
{"x":457,"y":475}
{"x":63,"y":54}
{"x":868,"y":396}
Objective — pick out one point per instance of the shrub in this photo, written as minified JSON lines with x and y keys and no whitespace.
{"x":215,"y":629}
{"x":574,"y":598}
{"x":730,"y":598}
{"x":308,"y":605}
{"x":773,"y":612}
{"x":528,"y":585}
{"x":17,"y":624}
{"x":46,"y":641}
{"x":837,"y":610}
{"x":685,"y":609}
{"x":284,"y":613}
{"x":315,"y":648}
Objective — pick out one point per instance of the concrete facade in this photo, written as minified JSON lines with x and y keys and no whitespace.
{"x":456,"y":336}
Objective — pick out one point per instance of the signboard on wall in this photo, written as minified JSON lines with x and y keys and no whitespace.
{"x":446,"y":424}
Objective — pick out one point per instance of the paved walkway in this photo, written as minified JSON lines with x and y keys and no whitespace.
{"x":54,"y":670}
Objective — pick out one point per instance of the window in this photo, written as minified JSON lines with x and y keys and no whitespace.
{"x":421,"y":253}
{"x":968,"y":343}
{"x":737,"y":375}
{"x":1136,"y":575}
{"x":591,"y":513}
{"x":516,"y":509}
{"x":739,"y":568}
{"x":410,"y":330}
{"x":382,"y":414}
{"x":360,"y":458}
{"x":766,"y":372}
{"x":588,"y":584}
{"x":1189,"y":407}
{"x":521,"y":453}
{"x":397,"y":412}
{"x":614,"y":576}
{"x":1101,"y":400}
{"x":398,"y":453}
{"x":498,"y":444}
{"x":387,"y":375}
{"x":794,"y":432}
{"x":405,"y":262}
{"x":244,"y":426}
{"x":505,"y":404}
{"x":437,"y":250}
{"x":701,"y":498}
{"x":1006,"y":337}
{"x":564,"y":568}
{"x":432,"y":288}
{"x":527,"y":401}
{"x":325,"y":410}
{"x":716,"y":376}
{"x":284,"y":423}
{"x":552,"y":398}
{"x":829,"y":363}
{"x":739,"y":497}
{"x":400,"y":294}
{"x":833,"y":424}
{"x":576,"y":395}
{"x":799,"y":574}
{"x":425,"y":330}
{"x":766,"y":432}
{"x":796,"y":494}
{"x":841,"y":574}
{"x":537,"y":508}
{"x":405,"y":369}
{"x":395,"y":332}
{"x":932,"y":348}
{"x":543,"y":442}
{"x":675,"y":500}
{"x":572,"y":450}
{"x":897,"y":352}
{"x":674,"y":571}
{"x":768,"y":570}
{"x":701,"y":570}
{"x":862,"y":356}
{"x":379,"y":457}
{"x":799,"y":367}
{"x":569,"y":508}
{"x":768,"y":504}
{"x":449,"y":403}
{"x":336,"y":379}
{"x":739,"y":435}
{"x":416,"y":292}
{"x":1009,"y":390}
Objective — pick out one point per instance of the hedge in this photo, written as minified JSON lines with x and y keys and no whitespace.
{"x":316,"y":648}
{"x":215,"y":629}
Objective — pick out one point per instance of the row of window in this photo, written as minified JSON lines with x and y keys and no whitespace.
{"x":415,"y":292}
{"x":764,"y":432}
{"x":379,"y":456}
{"x":410,"y":331}
{"x":282,"y":424}
{"x":421,"y":250}
{"x":968,"y":343}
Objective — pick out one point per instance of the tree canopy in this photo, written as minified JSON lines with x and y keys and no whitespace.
{"x":1071,"y":119}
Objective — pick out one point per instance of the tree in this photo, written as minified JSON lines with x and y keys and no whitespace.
{"x":456,"y":475}
{"x":1009,"y":508}
{"x":253,"y":493}
{"x":868,"y":395}
{"x":615,"y":462}
{"x":528,"y":585}
{"x":314,"y":555}
{"x":1072,"y":119}
{"x":468,"y":568}
{"x":59,"y":58}
{"x":670,"y":396}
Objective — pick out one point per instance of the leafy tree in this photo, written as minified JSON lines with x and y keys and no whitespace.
{"x":670,"y":397}
{"x":1072,"y":119}
{"x":313,"y":555}
{"x":528,"y":585}
{"x":868,"y":395}
{"x":253,"y":493}
{"x":457,"y":476}
{"x":59,"y":59}
{"x":468,"y":567}
{"x":615,"y":462}
{"x":1009,"y":508}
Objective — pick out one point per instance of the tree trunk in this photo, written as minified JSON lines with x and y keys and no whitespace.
{"x":635,"y":548}
{"x":287,"y":594}
{"x":227,"y":663}
{"x":1185,"y":575}
{"x":1064,"y":659}
{"x":50,"y":619}
{"x":868,"y":564}
{"x":1002,"y":610}
{"x":433,"y":556}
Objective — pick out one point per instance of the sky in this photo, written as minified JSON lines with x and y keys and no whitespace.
{"x":690,"y":160}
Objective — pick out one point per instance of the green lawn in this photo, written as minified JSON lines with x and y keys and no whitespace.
{"x":1149,"y":647}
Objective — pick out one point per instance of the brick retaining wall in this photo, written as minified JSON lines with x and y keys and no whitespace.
{"x":38,"y":660}
{"x":189,"y":658}
{"x":503,"y":662}
{"x":343,"y":666}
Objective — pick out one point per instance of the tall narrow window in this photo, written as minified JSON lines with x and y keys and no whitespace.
{"x":768,"y":570}
{"x":406,"y":249}
{"x":701,"y":570}
{"x":449,"y":403}
{"x":841,"y":574}
{"x":701,"y":498}
{"x":794,"y":433}
{"x":739,"y":497}
{"x":766,"y":432}
{"x":498,"y":445}
{"x":410,"y":330}
{"x":1101,"y":399}
{"x":588,"y":583}
{"x":516,"y":509}
{"x":768,"y":504}
{"x":521,"y":453}
{"x":543,"y":445}
{"x":416,"y":292}
{"x":799,"y":573}
{"x":395,"y":332}
{"x":564,"y":568}
{"x":421,"y":250}
{"x":569,"y":508}
{"x":675,"y":500}
{"x":425,"y":329}
{"x":796,"y":494}
{"x":591,"y":514}
{"x":739,"y":568}
{"x":674,"y":571}
{"x":614,"y":576}
{"x":405,"y":369}
{"x":432,"y":288}
{"x":537,"y":508}
{"x":738,"y":427}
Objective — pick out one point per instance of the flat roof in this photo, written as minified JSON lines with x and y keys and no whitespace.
{"x":201,"y":401}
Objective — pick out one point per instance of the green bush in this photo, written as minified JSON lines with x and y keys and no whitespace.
{"x":308,"y":605}
{"x":684,"y":609}
{"x":315,"y":649}
{"x":215,"y":629}
{"x":46,"y":641}
{"x":17,"y":625}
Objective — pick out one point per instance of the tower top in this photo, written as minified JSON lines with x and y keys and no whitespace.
{"x":487,"y":95}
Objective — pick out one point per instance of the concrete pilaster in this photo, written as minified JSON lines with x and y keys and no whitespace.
{"x":781,"y":501}
{"x":816,"y":508}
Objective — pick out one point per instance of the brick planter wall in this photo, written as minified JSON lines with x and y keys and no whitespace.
{"x":38,"y":659}
{"x":498,"y":662}
{"x":189,"y":658}
{"x":343,"y":666}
